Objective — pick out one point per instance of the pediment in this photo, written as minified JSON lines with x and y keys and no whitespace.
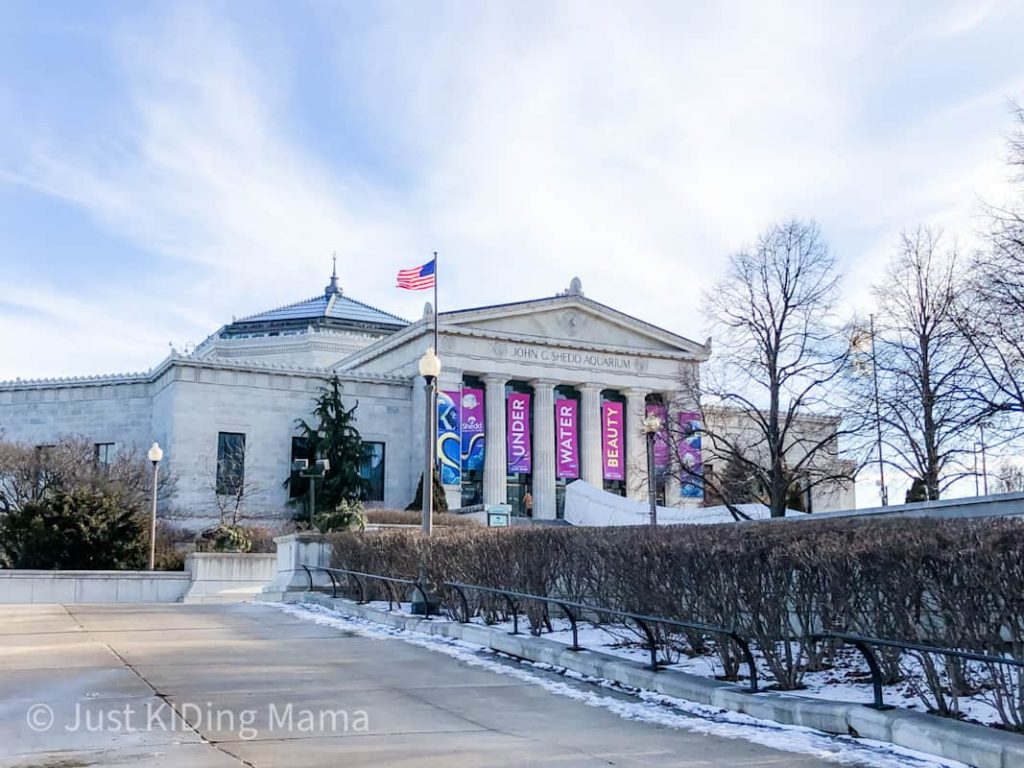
{"x":570,"y":320}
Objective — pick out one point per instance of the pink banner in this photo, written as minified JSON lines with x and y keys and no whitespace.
{"x":518,"y":409}
{"x":661,"y":452}
{"x":613,"y":441}
{"x":567,"y":460}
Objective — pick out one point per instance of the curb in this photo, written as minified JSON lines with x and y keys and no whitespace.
{"x":976,"y":745}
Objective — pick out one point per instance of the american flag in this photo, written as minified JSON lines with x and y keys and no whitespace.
{"x":418,"y":278}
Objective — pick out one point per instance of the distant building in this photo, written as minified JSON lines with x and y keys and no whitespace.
{"x":570,"y":377}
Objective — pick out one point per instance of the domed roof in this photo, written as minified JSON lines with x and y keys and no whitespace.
{"x":331,"y":309}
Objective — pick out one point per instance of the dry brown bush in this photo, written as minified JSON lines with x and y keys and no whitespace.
{"x":956,"y":583}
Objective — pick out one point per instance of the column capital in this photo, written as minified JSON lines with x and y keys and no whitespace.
{"x":495,"y":378}
{"x":543,"y":383}
{"x":636,"y":392}
{"x":588,"y":387}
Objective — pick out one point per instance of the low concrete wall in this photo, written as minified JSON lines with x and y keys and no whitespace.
{"x":975,"y":745}
{"x":998,"y":505}
{"x":294,"y":551}
{"x":219,"y":577}
{"x":25,"y":586}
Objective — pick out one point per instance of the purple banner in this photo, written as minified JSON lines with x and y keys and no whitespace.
{"x":661,"y":438}
{"x":690,"y":457}
{"x":613,"y":436}
{"x":448,"y":441}
{"x":472,"y":429}
{"x":567,"y":457}
{"x":518,"y":408}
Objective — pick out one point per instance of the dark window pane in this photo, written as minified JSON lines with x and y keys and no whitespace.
{"x":230,"y":463}
{"x":372,"y":470}
{"x":104,"y":455}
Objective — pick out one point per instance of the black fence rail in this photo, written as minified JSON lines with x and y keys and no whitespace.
{"x":867,"y":646}
{"x":359,"y":578}
{"x":572,"y":610}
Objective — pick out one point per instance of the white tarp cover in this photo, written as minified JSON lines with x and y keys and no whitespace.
{"x":588,"y":506}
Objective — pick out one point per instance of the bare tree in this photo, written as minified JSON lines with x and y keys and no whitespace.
{"x":779,"y":355}
{"x":926,"y":367}
{"x":992,"y":310}
{"x":29,"y":472}
{"x":1010,"y":478}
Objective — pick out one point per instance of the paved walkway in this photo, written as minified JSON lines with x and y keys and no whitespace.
{"x":119,"y":681}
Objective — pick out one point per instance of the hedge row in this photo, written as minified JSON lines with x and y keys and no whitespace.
{"x":956,"y":583}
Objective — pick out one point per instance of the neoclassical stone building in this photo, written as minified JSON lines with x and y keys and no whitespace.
{"x":542,"y":391}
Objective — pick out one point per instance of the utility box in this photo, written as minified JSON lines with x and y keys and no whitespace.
{"x":498,"y":515}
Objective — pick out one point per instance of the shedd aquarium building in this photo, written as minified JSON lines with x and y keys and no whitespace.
{"x":533,"y":395}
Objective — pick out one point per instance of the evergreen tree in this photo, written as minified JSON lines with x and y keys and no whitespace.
{"x":336,"y":439}
{"x":440,"y":501}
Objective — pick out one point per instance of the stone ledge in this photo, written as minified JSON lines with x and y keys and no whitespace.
{"x":975,"y":745}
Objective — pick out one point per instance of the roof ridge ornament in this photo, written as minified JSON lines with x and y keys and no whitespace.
{"x":575,"y":288}
{"x":333,"y":288}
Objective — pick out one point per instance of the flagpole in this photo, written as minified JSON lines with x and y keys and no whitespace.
{"x":437,"y":310}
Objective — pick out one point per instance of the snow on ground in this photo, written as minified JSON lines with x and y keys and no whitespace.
{"x":643,"y":706}
{"x":848,"y":680}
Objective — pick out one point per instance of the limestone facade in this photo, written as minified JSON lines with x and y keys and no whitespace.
{"x":257,"y":383}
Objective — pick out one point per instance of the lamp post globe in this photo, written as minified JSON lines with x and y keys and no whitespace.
{"x":430,"y":369}
{"x":155,"y":454}
{"x":430,"y":365}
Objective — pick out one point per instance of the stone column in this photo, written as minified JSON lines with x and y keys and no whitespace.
{"x":672,"y":487}
{"x":495,"y":461}
{"x":543,"y":449}
{"x":591,"y":469}
{"x":636,"y":444}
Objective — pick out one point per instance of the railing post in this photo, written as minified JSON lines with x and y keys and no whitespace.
{"x":334,"y":584}
{"x":514,"y":609}
{"x":426,"y":601}
{"x":462,"y":599}
{"x":572,"y":620}
{"x":360,"y":586}
{"x":748,"y":657}
{"x":655,"y":666}
{"x":876,"y":673}
{"x":308,"y":576}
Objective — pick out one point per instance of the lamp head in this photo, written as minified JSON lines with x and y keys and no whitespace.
{"x":430,"y":365}
{"x":155,"y":453}
{"x":652,"y":424}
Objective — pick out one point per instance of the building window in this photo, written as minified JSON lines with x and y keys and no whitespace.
{"x":372,"y":470}
{"x":103,"y":455}
{"x":230,"y":463}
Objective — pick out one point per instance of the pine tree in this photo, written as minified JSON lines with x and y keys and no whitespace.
{"x":336,"y":439}
{"x":440,"y":501}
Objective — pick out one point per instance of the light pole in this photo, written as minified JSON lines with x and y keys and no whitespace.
{"x":430,"y":369}
{"x":320,"y":468}
{"x":984,"y":464}
{"x":155,"y":455}
{"x":652,"y":425}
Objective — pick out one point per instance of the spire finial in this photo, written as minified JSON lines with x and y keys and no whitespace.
{"x":333,"y":286}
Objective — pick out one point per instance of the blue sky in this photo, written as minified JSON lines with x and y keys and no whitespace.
{"x":166,"y":166}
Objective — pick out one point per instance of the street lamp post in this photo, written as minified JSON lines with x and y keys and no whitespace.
{"x":320,"y":468}
{"x":652,"y":425}
{"x":430,"y":369}
{"x":155,"y":455}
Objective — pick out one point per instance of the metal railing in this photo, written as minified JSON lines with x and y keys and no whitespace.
{"x":867,"y":645}
{"x":359,"y":578}
{"x":571,"y":609}
{"x":574,"y":610}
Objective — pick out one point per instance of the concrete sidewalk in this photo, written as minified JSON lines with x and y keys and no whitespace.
{"x":231,"y":685}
